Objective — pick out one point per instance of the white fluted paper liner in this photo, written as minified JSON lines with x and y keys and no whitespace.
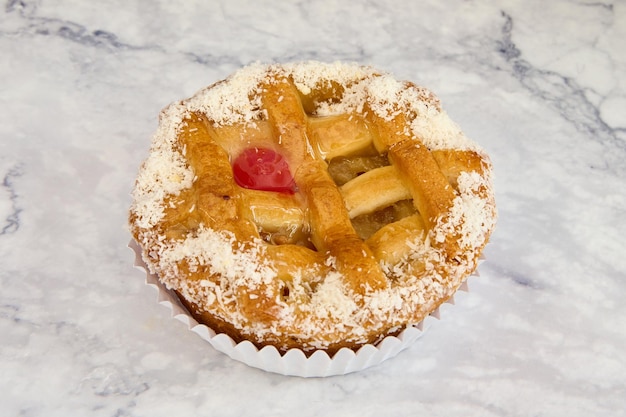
{"x":294,"y":362}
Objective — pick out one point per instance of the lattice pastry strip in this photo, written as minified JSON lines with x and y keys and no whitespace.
{"x":341,"y":135}
{"x":389,"y":243}
{"x":374,"y":190}
{"x":214,"y":199}
{"x":274,"y":213}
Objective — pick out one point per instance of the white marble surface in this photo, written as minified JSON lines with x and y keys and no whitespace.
{"x":541,"y":85}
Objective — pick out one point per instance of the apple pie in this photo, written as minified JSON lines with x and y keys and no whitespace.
{"x":312,"y":205}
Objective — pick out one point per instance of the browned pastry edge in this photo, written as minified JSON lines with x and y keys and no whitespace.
{"x":220,"y":326}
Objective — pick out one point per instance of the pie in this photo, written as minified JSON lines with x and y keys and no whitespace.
{"x":312,"y":205}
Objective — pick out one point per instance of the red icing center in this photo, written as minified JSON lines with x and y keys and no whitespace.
{"x":263,"y":169}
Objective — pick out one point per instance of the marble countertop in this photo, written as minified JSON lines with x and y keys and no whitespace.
{"x":541,"y":85}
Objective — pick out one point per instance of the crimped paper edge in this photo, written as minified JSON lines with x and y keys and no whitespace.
{"x":294,"y":362}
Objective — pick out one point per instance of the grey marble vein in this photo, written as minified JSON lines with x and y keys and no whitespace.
{"x":12,"y":219}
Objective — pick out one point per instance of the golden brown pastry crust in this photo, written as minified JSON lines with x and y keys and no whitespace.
{"x":348,"y":258}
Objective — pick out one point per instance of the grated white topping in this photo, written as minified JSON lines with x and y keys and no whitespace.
{"x":224,"y":256}
{"x":229,"y":102}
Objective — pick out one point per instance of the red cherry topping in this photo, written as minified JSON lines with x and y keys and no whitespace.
{"x":263,"y":169}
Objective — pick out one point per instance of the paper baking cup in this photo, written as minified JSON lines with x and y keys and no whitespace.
{"x":294,"y":362}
